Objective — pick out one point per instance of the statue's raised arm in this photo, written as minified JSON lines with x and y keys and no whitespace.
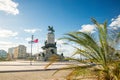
{"x":50,"y":28}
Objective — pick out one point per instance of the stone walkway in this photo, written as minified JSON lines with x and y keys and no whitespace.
{"x":22,"y":70}
{"x":12,"y":66}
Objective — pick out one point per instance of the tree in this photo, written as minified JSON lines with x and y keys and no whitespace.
{"x":99,"y":52}
{"x":105,"y":64}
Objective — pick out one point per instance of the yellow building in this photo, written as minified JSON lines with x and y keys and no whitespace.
{"x":20,"y":52}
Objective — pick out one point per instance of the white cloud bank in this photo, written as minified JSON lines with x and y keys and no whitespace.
{"x":67,"y":50}
{"x":87,"y":28}
{"x":5,"y":45}
{"x":115,"y":23}
{"x":9,"y":6}
{"x":31,"y":30}
{"x":28,"y":39}
{"x":7,"y":33}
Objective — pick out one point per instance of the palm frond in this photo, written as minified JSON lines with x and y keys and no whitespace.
{"x":98,"y":51}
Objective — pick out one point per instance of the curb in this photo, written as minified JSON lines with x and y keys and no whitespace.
{"x":28,"y":70}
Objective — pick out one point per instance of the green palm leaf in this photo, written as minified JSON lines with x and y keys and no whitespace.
{"x":95,"y":50}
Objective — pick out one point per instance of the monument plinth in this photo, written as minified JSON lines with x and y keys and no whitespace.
{"x":49,"y":48}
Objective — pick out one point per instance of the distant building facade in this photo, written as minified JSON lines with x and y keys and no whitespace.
{"x":11,"y":52}
{"x":28,"y":55}
{"x":20,"y":52}
{"x":3,"y":54}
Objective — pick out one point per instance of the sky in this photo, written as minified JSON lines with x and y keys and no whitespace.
{"x":19,"y":19}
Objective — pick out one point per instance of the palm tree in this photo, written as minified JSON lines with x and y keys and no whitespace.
{"x":98,"y":51}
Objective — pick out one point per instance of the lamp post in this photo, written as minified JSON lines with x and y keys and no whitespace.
{"x":31,"y":49}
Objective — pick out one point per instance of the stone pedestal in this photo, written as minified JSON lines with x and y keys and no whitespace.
{"x":49,"y":48}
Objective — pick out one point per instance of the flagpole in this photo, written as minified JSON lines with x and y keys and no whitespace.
{"x":31,"y":49}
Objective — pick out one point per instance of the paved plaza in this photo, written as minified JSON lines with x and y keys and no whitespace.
{"x":25,"y":65}
{"x":22,"y":70}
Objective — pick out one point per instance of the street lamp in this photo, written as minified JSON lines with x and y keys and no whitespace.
{"x":31,"y":49}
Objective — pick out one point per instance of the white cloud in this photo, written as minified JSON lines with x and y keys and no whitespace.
{"x":115,"y":22}
{"x":5,"y":45}
{"x":16,"y":38}
{"x":67,"y":50}
{"x":28,"y":39}
{"x":9,"y":6}
{"x":7,"y":33}
{"x":31,"y":30}
{"x":60,"y":41}
{"x":87,"y":28}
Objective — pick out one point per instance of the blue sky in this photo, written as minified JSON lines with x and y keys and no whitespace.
{"x":19,"y":19}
